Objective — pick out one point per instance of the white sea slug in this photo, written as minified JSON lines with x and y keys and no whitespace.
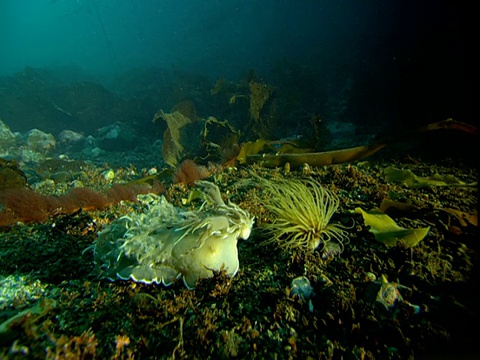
{"x":164,"y":243}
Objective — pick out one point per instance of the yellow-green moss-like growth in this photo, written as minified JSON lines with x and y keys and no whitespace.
{"x":301,"y":212}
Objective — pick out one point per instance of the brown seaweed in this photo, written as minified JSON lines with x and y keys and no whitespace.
{"x":253,"y":152}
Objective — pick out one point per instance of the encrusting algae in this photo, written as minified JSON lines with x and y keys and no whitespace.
{"x":164,"y":243}
{"x":302,"y":210}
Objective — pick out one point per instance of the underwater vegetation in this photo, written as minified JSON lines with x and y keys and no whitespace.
{"x":375,"y":300}
{"x":371,"y":302}
{"x":301,"y":210}
{"x":188,"y":172}
{"x":28,"y":206}
{"x":269,"y":155}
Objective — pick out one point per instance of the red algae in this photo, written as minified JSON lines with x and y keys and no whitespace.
{"x":188,"y":172}
{"x":84,"y":198}
{"x":25,"y":205}
{"x":28,"y":206}
{"x":129,"y":192}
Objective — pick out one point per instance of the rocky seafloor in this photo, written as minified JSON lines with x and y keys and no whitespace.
{"x":52,"y":304}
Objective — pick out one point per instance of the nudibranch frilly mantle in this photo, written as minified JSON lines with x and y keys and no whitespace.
{"x":163,"y":243}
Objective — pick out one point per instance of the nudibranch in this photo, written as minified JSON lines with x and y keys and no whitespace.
{"x":163,"y":243}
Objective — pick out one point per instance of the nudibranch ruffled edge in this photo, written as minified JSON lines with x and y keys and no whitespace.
{"x":163,"y":243}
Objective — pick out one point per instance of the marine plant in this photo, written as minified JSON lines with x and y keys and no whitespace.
{"x":259,"y":95}
{"x":28,"y":206}
{"x":301,"y":212}
{"x":188,"y":172}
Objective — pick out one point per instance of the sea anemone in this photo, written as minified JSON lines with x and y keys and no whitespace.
{"x":301,"y":211}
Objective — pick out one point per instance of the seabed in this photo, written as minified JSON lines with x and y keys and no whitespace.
{"x":370,"y":301}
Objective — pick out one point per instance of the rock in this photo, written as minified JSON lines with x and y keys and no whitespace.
{"x":92,"y":153}
{"x":7,"y":138}
{"x":40,"y":142}
{"x":70,"y":138}
{"x":117,"y":137}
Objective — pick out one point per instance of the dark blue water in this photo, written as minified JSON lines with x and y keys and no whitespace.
{"x":405,"y":61}
{"x":216,"y":37}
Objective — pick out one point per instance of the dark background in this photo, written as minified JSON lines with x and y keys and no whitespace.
{"x":389,"y":64}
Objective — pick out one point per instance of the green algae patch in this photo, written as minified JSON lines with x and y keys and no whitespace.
{"x":409,"y":179}
{"x":388,"y":232}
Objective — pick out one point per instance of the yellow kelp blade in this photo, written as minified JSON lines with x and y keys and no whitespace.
{"x":410,"y":237}
{"x":315,"y":159}
{"x":388,"y":232}
{"x":251,"y":148}
{"x":172,"y":148}
{"x":254,"y":152}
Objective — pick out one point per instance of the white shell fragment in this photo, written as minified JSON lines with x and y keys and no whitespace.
{"x":163,"y":243}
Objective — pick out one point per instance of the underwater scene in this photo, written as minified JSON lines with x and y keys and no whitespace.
{"x":216,"y":179}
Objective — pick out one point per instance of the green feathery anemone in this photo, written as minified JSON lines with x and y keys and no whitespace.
{"x":301,"y":211}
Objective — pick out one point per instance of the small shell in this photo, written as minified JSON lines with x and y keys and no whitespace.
{"x":152,"y":171}
{"x":331,"y":249}
{"x":108,"y":175}
{"x":388,"y":295}
{"x":301,"y":288}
